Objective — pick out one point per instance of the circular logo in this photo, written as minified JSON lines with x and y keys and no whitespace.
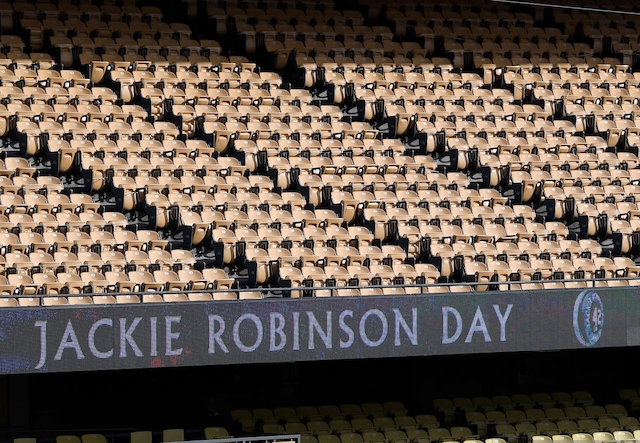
{"x":588,"y":318}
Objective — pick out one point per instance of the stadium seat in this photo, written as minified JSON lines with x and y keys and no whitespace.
{"x":173,"y":435}
{"x":141,"y":437}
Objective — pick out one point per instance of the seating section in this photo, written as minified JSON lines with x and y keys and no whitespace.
{"x":359,"y":149}
{"x":540,"y":417}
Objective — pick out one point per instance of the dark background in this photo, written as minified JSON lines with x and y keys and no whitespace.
{"x":193,"y":398}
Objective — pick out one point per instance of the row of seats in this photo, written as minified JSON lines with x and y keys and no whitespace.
{"x":412,"y":435}
{"x":592,"y":412}
{"x":566,"y":426}
{"x":250,"y":418}
{"x":581,"y":437}
{"x":150,"y":297}
{"x":515,"y":401}
{"x":321,"y":412}
{"x":587,"y":437}
{"x":380,"y":429}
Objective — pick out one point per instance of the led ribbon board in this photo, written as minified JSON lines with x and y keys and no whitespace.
{"x":285,"y":330}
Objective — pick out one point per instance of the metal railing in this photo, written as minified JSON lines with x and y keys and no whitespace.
{"x":364,"y":290}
